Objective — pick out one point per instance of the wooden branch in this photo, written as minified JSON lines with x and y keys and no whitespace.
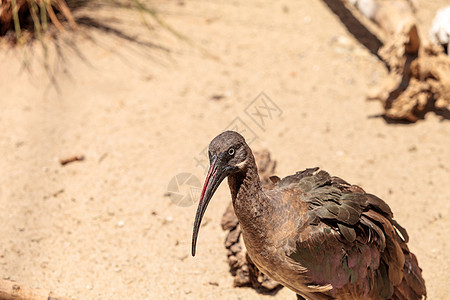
{"x":10,"y":290}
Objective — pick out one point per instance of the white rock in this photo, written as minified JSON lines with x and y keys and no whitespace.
{"x":440,"y":31}
{"x":366,"y":7}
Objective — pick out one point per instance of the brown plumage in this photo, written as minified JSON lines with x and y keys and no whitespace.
{"x":315,"y":234}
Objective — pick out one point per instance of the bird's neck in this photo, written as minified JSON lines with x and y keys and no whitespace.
{"x":248,"y":198}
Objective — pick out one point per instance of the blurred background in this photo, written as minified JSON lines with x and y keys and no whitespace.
{"x":103,"y":104}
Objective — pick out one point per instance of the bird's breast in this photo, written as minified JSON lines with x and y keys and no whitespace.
{"x":264,"y":255}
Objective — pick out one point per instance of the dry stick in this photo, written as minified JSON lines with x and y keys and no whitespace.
{"x":10,"y":290}
{"x":65,"y":161}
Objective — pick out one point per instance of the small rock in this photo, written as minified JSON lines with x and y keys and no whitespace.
{"x":168,"y":219}
{"x":228,"y":94}
{"x":440,"y":31}
{"x":342,"y":42}
{"x":217,"y":97}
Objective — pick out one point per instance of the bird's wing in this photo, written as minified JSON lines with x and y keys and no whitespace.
{"x":350,"y":239}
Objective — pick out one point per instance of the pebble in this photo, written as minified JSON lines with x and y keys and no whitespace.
{"x":344,"y":41}
{"x":168,"y":219}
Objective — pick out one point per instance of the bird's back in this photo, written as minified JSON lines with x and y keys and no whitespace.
{"x":347,"y":244}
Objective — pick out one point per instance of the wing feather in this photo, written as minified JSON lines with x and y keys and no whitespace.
{"x":351,"y":240}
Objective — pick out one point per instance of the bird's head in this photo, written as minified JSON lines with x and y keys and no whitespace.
{"x":228,"y":154}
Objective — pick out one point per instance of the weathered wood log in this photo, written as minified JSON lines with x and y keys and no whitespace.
{"x":419,"y":77}
{"x":10,"y":290}
{"x":245,"y":273}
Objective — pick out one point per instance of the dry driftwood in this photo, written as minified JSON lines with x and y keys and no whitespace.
{"x":419,"y":73}
{"x":245,"y":273}
{"x":10,"y":290}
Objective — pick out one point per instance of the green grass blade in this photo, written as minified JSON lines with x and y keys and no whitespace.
{"x":17,"y":28}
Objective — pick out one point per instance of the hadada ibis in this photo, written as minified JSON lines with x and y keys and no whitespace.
{"x":314,"y":233}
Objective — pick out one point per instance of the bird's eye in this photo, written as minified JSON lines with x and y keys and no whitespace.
{"x":231,"y":151}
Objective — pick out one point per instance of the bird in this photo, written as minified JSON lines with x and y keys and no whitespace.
{"x":315,"y":234}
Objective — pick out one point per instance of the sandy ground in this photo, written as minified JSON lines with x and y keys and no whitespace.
{"x":140,"y":113}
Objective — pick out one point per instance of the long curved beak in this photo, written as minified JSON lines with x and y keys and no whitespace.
{"x":212,"y":182}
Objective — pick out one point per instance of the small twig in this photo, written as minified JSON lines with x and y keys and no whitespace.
{"x":104,"y":155}
{"x":65,"y":161}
